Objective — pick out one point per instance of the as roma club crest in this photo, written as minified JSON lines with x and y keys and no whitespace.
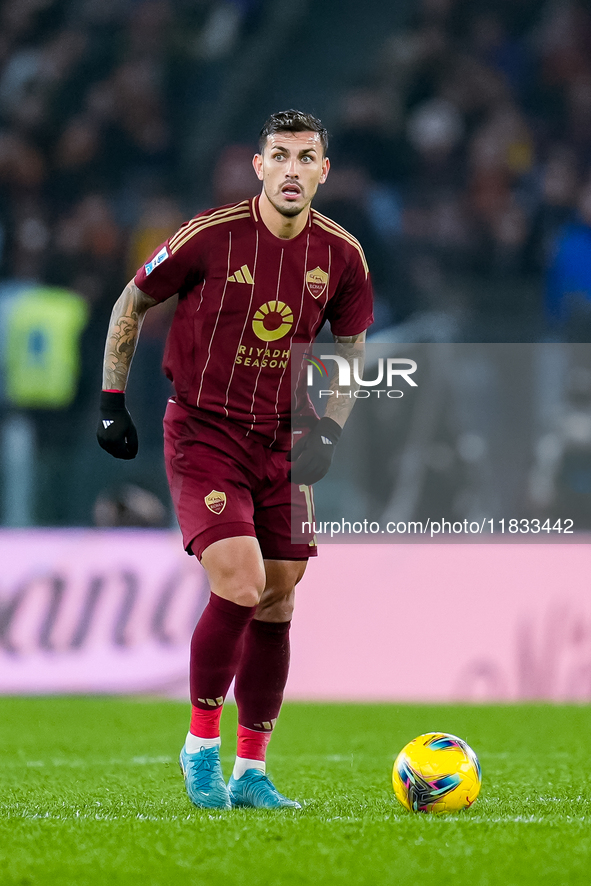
{"x":316,"y":281}
{"x":216,"y":501}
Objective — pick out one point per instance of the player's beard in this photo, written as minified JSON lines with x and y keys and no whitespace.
{"x":287,"y":211}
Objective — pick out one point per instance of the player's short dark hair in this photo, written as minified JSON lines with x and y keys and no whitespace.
{"x":292,"y":121}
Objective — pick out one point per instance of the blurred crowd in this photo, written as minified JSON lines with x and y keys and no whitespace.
{"x":94,"y":101}
{"x":467,"y":149}
{"x":471,"y":145}
{"x":461,"y":161}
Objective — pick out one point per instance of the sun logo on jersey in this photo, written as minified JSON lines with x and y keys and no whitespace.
{"x":272,"y":321}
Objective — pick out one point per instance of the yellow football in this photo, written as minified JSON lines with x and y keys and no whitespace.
{"x":436,"y":772}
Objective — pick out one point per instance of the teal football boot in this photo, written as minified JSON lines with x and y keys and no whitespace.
{"x":204,"y":780}
{"x":255,"y":790}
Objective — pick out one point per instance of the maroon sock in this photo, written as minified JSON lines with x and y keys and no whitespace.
{"x":215,"y":651}
{"x":262,"y":674}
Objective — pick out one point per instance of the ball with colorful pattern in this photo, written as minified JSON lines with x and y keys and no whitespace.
{"x":437,"y":773}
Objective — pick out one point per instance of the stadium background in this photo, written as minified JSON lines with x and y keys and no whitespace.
{"x":461,"y":150}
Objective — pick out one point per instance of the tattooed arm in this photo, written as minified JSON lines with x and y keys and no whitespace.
{"x":124,"y":328}
{"x":350,"y":347}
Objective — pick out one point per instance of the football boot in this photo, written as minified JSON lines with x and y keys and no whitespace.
{"x":255,"y":790}
{"x":204,"y":780}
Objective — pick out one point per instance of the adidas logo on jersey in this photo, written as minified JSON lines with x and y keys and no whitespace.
{"x":108,"y":422}
{"x":241,"y":276}
{"x":326,"y":441}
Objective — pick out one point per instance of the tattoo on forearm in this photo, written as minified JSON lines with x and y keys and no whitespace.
{"x":126,"y":321}
{"x":352,"y":348}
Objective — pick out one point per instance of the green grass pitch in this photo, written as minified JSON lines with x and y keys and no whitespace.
{"x":92,"y":794}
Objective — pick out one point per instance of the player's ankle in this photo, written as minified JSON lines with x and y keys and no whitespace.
{"x":243,"y":764}
{"x":251,"y":750}
{"x":194,"y":743}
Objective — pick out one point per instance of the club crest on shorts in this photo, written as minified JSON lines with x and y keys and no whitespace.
{"x":216,"y":501}
{"x":316,"y":281}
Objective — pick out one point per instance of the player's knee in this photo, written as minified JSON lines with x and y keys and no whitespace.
{"x":276,"y":604}
{"x":242,"y":587}
{"x":277,"y":593}
{"x":281,"y":576}
{"x":235,"y":570}
{"x":278,"y":599}
{"x":245,"y":596}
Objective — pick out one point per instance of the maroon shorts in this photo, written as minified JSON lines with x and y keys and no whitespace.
{"x":224,"y":484}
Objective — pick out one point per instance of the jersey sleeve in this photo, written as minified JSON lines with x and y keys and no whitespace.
{"x":169,"y":268}
{"x":350,"y":311}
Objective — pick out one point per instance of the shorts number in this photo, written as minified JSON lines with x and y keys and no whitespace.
{"x":307,"y":490}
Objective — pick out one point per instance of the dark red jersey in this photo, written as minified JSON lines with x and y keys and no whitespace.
{"x":245,"y":296}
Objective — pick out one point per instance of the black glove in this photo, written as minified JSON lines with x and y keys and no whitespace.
{"x":312,"y":455}
{"x":116,"y":431}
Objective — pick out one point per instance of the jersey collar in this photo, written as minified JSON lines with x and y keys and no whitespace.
{"x":254,"y":208}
